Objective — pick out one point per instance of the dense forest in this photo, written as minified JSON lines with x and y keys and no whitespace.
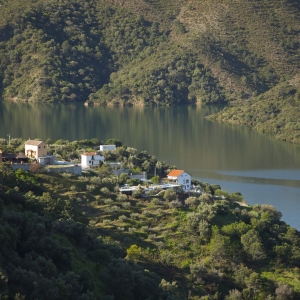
{"x":155,"y":52}
{"x":64,"y":236}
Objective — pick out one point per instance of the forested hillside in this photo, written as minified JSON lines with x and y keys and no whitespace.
{"x":142,"y":52}
{"x":64,"y":236}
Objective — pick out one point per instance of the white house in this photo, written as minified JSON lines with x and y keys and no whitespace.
{"x":181,"y":177}
{"x":107,"y":147}
{"x":35,"y":149}
{"x":91,"y":159}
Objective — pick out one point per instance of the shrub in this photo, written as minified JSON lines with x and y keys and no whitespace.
{"x":126,"y":205}
{"x":121,"y":197}
{"x":192,"y":202}
{"x":170,"y":195}
{"x":123,"y":218}
{"x":137,"y":194}
{"x":108,"y":201}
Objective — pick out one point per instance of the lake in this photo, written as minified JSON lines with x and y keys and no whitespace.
{"x":262,"y":169}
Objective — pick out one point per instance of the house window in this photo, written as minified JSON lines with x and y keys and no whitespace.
{"x":187,"y":181}
{"x":89,"y":161}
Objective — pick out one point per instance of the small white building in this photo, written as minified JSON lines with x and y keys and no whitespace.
{"x":46,"y":160}
{"x":91,"y":159}
{"x":35,"y":149}
{"x":107,"y":147}
{"x":181,"y":177}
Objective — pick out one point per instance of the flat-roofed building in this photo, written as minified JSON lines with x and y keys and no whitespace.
{"x":107,"y":147}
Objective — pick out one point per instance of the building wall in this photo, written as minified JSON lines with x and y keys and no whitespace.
{"x":23,"y":167}
{"x":90,"y":161}
{"x":118,"y":172}
{"x":48,"y":160}
{"x":107,"y":147}
{"x":139,"y":176}
{"x":66,"y":169}
{"x":184,"y":179}
{"x":33,"y":151}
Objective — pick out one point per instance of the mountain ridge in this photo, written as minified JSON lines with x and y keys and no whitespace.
{"x":147,"y":52}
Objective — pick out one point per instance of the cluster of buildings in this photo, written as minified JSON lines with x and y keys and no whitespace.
{"x":36,"y":152}
{"x":176,"y":180}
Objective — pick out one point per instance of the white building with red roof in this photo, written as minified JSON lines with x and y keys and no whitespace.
{"x":91,"y":159}
{"x":181,"y":177}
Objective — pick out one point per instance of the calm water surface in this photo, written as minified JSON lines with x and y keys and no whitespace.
{"x":262,"y":169}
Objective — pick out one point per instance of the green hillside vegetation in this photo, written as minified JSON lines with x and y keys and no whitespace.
{"x":148,"y":52}
{"x":276,"y":112}
{"x":75,"y":237}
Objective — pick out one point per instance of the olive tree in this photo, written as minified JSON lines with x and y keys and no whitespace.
{"x":170,"y":195}
{"x":252,"y":245}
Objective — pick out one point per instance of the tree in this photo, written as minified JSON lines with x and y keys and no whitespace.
{"x":192,"y":202}
{"x":253,"y":283}
{"x":193,"y":220}
{"x":123,"y":178}
{"x":170,"y":195}
{"x":234,"y":295}
{"x":206,"y":211}
{"x":104,"y":170}
{"x":252,"y":244}
{"x":7,"y":174}
{"x":133,"y":252}
{"x":114,"y":142}
{"x":137,"y":194}
{"x":283,"y":291}
{"x":204,"y":229}
{"x":206,"y":198}
{"x":49,"y":141}
{"x":35,"y":168}
{"x":147,"y":165}
{"x":155,"y":179}
{"x":219,"y":249}
{"x":90,"y":188}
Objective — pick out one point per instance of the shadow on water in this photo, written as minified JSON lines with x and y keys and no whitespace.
{"x":224,"y":176}
{"x":236,"y":156}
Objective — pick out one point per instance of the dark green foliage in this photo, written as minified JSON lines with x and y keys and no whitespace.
{"x":175,"y":78}
{"x":44,"y":254}
{"x":275,"y":112}
{"x":60,"y":240}
{"x":70,"y":62}
{"x":113,"y":142}
{"x":157,"y":53}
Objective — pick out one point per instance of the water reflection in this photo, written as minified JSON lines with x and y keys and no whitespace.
{"x":178,"y":135}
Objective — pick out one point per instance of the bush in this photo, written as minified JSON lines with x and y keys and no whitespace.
{"x":126,"y":205}
{"x":170,"y":195}
{"x":137,"y":194}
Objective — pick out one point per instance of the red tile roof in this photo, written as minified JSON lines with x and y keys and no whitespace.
{"x":175,"y":173}
{"x":89,"y":153}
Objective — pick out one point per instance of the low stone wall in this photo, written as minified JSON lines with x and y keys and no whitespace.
{"x":65,"y":169}
{"x":138,"y":176}
{"x":118,"y":172}
{"x":23,"y":167}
